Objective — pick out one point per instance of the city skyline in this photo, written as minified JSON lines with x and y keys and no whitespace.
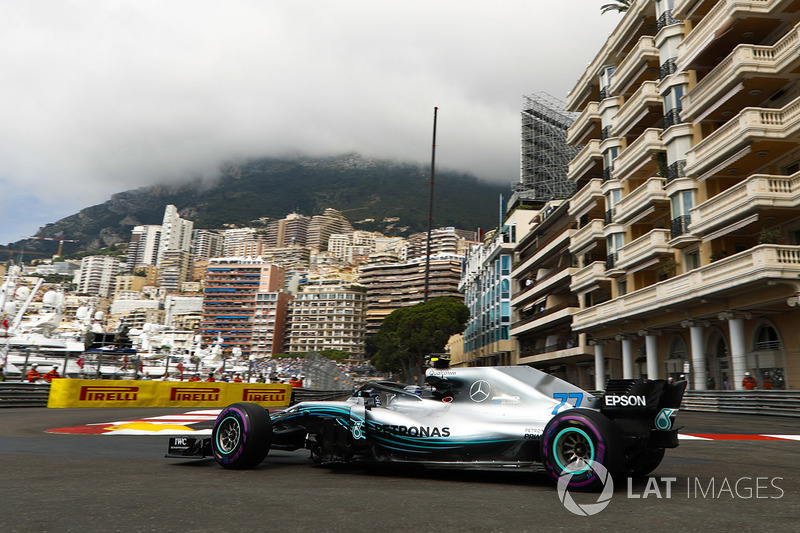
{"x":108,"y":98}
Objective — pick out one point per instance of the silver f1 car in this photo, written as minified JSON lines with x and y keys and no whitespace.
{"x":479,"y":417}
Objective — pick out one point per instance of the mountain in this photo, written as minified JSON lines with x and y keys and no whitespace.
{"x":366,"y":191}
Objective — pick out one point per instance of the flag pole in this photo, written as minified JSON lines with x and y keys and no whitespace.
{"x":430,"y":209}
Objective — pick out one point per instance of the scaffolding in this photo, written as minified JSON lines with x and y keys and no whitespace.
{"x":544,"y":152}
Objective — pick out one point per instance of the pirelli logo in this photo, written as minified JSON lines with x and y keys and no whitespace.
{"x":264,"y":395}
{"x":108,"y":394}
{"x":194,"y":394}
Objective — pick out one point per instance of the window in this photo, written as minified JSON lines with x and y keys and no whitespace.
{"x":692,"y":259}
{"x":682,"y":203}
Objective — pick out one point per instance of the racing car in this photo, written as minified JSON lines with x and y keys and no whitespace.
{"x":472,"y":418}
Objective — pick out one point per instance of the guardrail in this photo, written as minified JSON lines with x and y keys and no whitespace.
{"x":21,"y":394}
{"x":754,"y":402}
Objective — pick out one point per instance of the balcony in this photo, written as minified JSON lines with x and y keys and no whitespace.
{"x":589,"y":275}
{"x":629,"y":72}
{"x":541,"y":254}
{"x":639,"y":156}
{"x":544,"y":319}
{"x":676,"y":170}
{"x":637,"y":21}
{"x":679,"y":226}
{"x":650,"y":246}
{"x":667,"y":67}
{"x":666,"y":19}
{"x":586,"y":236}
{"x":752,"y":125}
{"x":635,"y":110}
{"x":672,"y":117}
{"x":544,"y":286}
{"x":722,"y":18}
{"x":757,"y":193}
{"x":731,"y":275}
{"x":583,"y":163}
{"x":769,"y":65}
{"x":583,"y":200}
{"x":587,"y":125}
{"x":645,"y":196}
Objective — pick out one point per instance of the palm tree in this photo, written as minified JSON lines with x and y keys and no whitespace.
{"x":620,"y":6}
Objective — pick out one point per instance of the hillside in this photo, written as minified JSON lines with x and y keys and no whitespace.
{"x":366,"y":191}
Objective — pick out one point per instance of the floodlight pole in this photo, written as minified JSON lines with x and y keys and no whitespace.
{"x":430,"y":209}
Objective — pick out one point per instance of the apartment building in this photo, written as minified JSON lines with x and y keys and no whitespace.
{"x":487,"y":287}
{"x":97,"y":275}
{"x":328,"y":315}
{"x":688,"y":235}
{"x":243,"y":303}
{"x":391,"y":286}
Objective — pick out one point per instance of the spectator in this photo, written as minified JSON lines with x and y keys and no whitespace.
{"x":749,"y":382}
{"x":237,"y":378}
{"x":33,"y":374}
{"x":196,"y":377}
{"x":52,"y":374}
{"x":210,"y":377}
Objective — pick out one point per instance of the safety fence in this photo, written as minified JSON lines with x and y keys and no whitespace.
{"x":753,"y":402}
{"x":16,"y":394}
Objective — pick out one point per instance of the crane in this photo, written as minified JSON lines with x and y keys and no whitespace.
{"x":61,"y":241}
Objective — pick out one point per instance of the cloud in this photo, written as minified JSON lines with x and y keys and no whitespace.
{"x":100,"y":97}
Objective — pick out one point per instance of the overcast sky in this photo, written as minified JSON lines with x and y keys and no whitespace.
{"x":103,"y":96}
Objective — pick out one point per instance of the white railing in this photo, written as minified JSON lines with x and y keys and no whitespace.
{"x":583,"y":160}
{"x":646,"y":95}
{"x":751,"y":122}
{"x":648,"y":245}
{"x":745,"y":58}
{"x":757,"y":190}
{"x":591,"y":273}
{"x":644,"y":50}
{"x":761,"y":263}
{"x":644,"y":146}
{"x":723,"y":12}
{"x":590,"y":113}
{"x":588,"y":193}
{"x":643,"y":196}
{"x":591,"y":232}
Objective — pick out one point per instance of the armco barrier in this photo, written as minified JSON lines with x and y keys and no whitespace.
{"x":16,"y":394}
{"x":23,"y":394}
{"x":754,"y":402}
{"x":126,"y":393}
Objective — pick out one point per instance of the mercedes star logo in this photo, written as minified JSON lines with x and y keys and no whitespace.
{"x":479,"y":391}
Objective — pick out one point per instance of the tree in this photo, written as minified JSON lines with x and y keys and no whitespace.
{"x":620,"y":6}
{"x":408,"y":334}
{"x":335,"y":355}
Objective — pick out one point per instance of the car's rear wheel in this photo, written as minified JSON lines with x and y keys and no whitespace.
{"x":581,"y":446}
{"x":242,"y":436}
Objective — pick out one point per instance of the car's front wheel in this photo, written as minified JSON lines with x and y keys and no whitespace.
{"x":242,"y":436}
{"x":581,"y":446}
